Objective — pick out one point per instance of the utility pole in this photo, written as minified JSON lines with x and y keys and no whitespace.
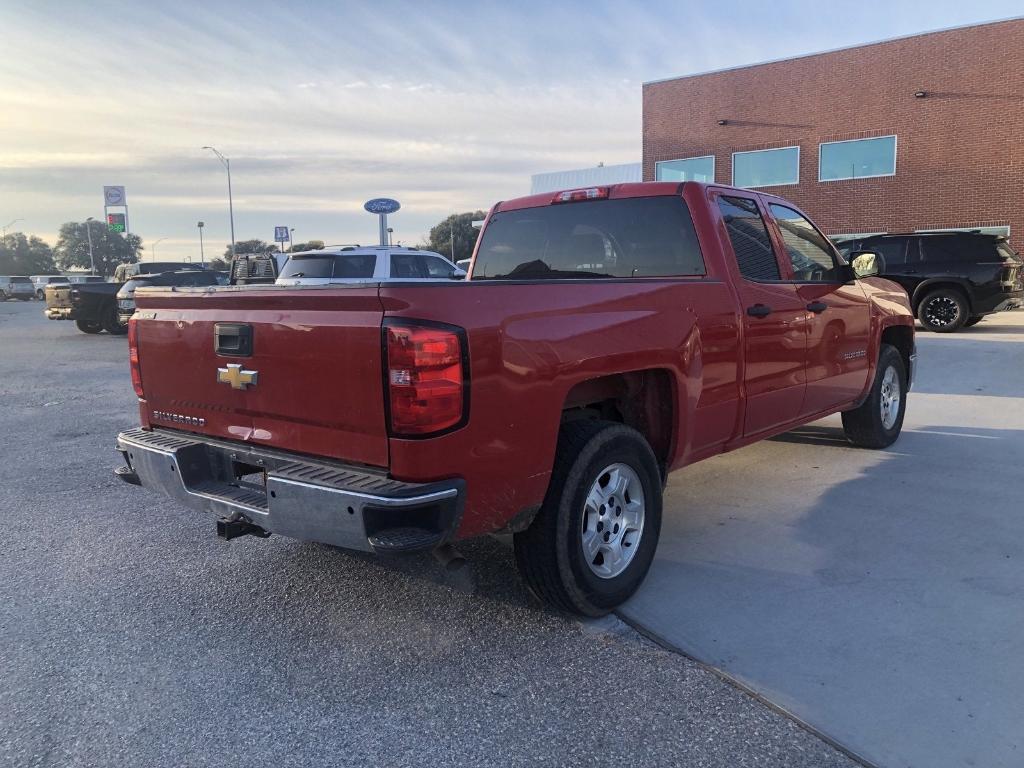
{"x":231,"y":206}
{"x":453,"y":238}
{"x":202,"y":256}
{"x":88,"y":234}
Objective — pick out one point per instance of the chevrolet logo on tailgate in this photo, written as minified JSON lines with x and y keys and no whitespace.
{"x":236,"y":377}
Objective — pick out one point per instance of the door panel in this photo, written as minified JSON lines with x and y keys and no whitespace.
{"x":774,"y":317}
{"x":837,"y":345}
{"x":838,"y":314}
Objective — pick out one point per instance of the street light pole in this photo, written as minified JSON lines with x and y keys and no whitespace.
{"x":88,"y":234}
{"x":5,"y":226}
{"x":155,"y":244}
{"x":231,"y":205}
{"x":291,"y":240}
{"x":202,"y":256}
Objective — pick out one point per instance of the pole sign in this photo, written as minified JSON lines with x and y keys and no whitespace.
{"x":114,"y":196}
{"x":116,"y":222}
{"x":280,"y":234}
{"x":382,"y":206}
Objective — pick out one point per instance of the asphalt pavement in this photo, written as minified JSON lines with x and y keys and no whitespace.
{"x":131,"y":636}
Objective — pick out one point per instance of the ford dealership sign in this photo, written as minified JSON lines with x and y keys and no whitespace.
{"x":383,"y":205}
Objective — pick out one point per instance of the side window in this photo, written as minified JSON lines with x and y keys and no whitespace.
{"x":940,"y":249}
{"x":407,"y":266}
{"x":807,"y":249}
{"x":894,"y":251}
{"x":749,"y":238}
{"x":437,"y":267}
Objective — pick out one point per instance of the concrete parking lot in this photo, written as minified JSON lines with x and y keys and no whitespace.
{"x":876,"y":596}
{"x":131,"y":636}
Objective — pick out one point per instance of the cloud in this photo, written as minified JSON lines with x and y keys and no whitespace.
{"x":445,"y":106}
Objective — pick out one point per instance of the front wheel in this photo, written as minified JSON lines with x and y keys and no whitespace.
{"x":592,"y":542}
{"x":112,"y":322}
{"x":879,"y":419}
{"x":88,"y":326}
{"x":943,"y":311}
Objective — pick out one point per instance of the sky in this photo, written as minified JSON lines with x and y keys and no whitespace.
{"x":320,"y":106}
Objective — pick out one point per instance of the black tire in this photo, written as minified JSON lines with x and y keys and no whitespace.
{"x":943,"y":310}
{"x":974,"y":321}
{"x":112,"y":323}
{"x":40,"y":296}
{"x":88,"y":326}
{"x":865,"y":426}
{"x":550,"y":554}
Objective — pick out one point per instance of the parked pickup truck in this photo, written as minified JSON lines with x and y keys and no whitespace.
{"x":606,"y":337}
{"x":93,"y":306}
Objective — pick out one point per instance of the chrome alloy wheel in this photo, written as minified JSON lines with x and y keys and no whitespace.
{"x":890,"y":397}
{"x":613,"y":521}
{"x":941,"y":311}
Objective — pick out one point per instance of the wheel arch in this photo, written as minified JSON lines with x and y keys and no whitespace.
{"x":643,"y":399}
{"x":927,"y":286}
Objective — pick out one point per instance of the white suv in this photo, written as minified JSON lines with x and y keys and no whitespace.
{"x":17,"y":287}
{"x":369,"y":264}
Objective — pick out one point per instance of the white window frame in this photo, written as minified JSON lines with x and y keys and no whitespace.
{"x":895,"y":156}
{"x":968,"y":229}
{"x":761,"y":151}
{"x":681,"y":159}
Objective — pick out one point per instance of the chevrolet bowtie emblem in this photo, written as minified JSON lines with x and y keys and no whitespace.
{"x":236,"y":377}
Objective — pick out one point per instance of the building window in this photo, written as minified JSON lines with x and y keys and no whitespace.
{"x":766,"y":167}
{"x":857,"y":159}
{"x":687,"y":169}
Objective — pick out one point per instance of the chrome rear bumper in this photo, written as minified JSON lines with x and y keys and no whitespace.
{"x":321,"y":501}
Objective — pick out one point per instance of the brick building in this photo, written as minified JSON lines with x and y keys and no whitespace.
{"x":921,"y":132}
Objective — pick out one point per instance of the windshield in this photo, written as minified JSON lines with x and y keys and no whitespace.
{"x":633,"y":237}
{"x":327,"y":265}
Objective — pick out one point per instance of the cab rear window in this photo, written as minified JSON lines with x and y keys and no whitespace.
{"x":631,"y":237}
{"x":341,"y":265}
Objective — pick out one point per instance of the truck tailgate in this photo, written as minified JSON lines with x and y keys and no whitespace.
{"x":314,"y":368}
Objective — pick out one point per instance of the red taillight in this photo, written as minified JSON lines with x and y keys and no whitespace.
{"x":133,"y":357}
{"x":426,"y":390}
{"x":576,"y":195}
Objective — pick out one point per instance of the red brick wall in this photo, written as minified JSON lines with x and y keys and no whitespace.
{"x":960,"y":150}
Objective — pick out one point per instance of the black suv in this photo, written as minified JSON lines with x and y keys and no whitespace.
{"x":953,"y":279}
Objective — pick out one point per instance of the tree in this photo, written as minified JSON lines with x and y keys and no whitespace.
{"x":310,"y":245}
{"x":20,"y":255}
{"x":109,"y":248}
{"x":459,"y":225}
{"x":219,"y":265}
{"x":250,"y":246}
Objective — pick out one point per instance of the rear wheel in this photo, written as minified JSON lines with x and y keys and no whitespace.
{"x":943,"y":310}
{"x":879,"y":419}
{"x":40,"y":296}
{"x":88,"y":326}
{"x":974,"y":321}
{"x":592,"y":542}
{"x":112,"y":322}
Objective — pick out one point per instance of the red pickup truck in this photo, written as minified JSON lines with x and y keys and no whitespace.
{"x":604,"y":338}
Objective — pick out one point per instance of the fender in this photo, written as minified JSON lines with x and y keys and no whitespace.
{"x":933,"y":282}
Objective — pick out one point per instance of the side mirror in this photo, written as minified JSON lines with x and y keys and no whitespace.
{"x":458,"y":274}
{"x":867,"y":264}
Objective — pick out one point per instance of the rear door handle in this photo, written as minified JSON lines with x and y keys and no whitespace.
{"x":759,"y":310}
{"x":817,"y":307}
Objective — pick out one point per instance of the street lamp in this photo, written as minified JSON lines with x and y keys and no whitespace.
{"x":155,"y":244}
{"x":5,"y":226}
{"x":291,"y":239}
{"x":88,"y":234}
{"x":202,"y":256}
{"x":231,"y":206}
